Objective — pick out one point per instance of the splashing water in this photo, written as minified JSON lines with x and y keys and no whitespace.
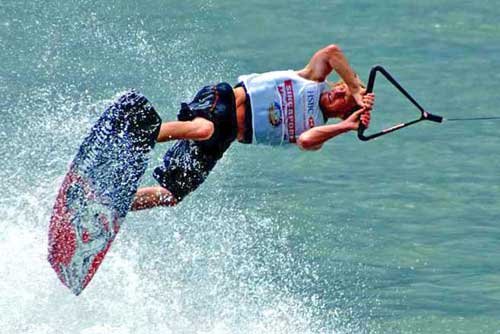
{"x":205,"y":267}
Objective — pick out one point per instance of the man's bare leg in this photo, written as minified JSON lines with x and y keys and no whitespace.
{"x":150,"y":197}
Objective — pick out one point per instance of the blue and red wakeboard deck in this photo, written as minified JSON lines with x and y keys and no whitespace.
{"x":99,"y":187}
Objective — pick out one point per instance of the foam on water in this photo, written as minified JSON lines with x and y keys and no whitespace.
{"x":209,"y":270}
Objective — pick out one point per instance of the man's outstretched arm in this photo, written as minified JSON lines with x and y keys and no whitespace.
{"x":328,"y":59}
{"x":314,"y":138}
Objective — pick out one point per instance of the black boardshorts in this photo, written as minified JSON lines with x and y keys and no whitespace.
{"x":188,"y":162}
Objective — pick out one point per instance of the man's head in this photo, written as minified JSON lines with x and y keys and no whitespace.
{"x":338,"y":102}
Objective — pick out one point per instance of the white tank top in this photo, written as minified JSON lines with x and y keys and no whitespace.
{"x":284,"y":105}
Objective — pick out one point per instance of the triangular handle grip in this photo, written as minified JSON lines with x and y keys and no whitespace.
{"x":369,"y":89}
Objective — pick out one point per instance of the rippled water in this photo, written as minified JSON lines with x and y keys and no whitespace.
{"x":400,"y":235}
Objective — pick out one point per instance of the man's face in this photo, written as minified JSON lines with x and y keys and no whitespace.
{"x":338,"y":102}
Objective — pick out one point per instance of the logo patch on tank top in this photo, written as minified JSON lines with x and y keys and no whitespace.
{"x":274,"y":112}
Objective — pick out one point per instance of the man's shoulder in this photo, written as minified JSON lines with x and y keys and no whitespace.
{"x":309,"y":74}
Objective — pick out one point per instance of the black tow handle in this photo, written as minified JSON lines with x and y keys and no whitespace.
{"x":424,"y":115}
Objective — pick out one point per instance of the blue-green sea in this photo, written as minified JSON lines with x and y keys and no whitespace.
{"x":398,"y":235}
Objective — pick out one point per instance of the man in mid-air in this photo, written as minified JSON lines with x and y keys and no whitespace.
{"x":274,"y":108}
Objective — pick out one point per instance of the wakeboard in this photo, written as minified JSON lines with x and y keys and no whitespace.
{"x":98,"y":189}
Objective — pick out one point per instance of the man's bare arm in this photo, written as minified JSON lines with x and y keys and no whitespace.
{"x":328,"y":59}
{"x":314,"y":138}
